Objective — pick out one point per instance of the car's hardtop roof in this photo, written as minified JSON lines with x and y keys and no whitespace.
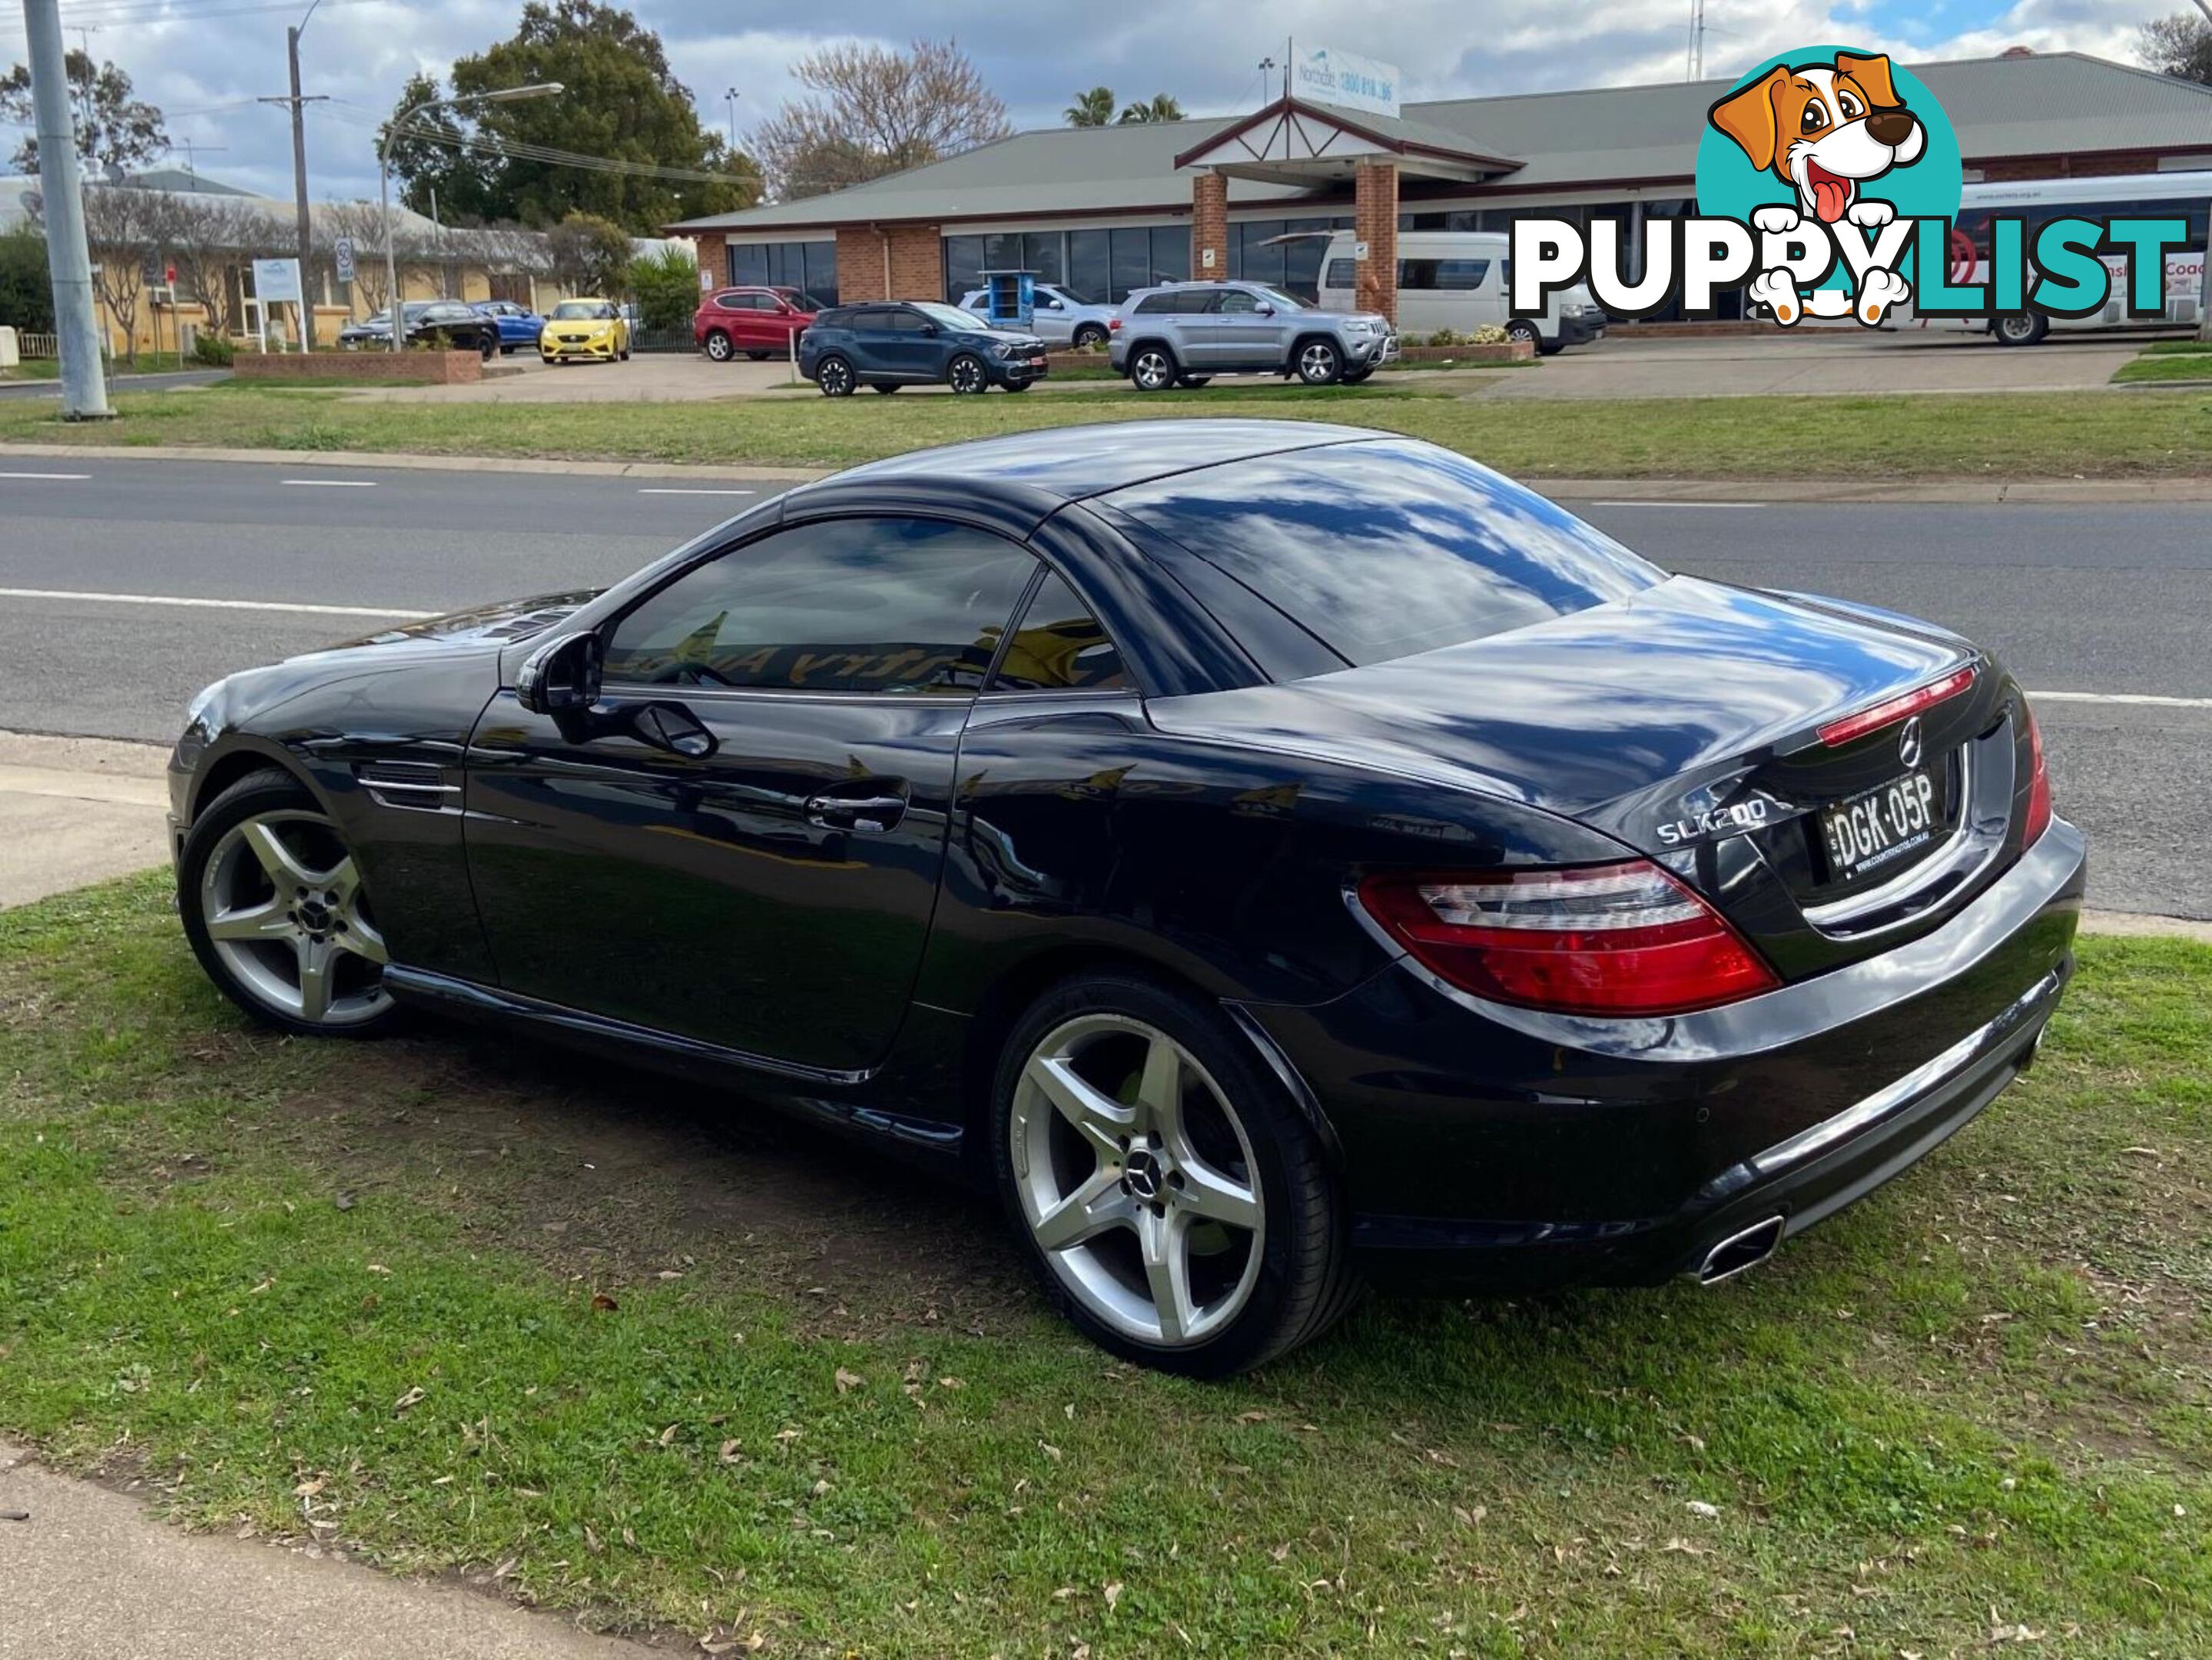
{"x":1050,"y":468}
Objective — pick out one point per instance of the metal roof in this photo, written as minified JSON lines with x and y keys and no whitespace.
{"x":2051,"y":103}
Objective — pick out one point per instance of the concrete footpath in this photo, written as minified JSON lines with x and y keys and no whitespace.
{"x":88,"y":1574}
{"x":74,"y":811}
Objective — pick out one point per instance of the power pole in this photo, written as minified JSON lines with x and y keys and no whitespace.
{"x":84,"y":385}
{"x":2204,"y":256}
{"x":302,"y":224}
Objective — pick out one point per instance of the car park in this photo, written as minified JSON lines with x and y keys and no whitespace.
{"x":1269,"y":855}
{"x":584,"y":331}
{"x":1183,"y":334}
{"x":759,"y":322}
{"x":518,"y":325}
{"x":453,"y":323}
{"x":1460,"y":281}
{"x":885,"y":345}
{"x":1059,"y":315}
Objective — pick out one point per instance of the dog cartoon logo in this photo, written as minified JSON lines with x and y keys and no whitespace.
{"x":1854,"y":144}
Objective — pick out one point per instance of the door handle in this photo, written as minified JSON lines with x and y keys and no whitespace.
{"x":856,"y":812}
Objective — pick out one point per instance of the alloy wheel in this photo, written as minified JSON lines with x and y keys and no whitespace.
{"x":966,"y":375}
{"x":835,"y":377}
{"x":1137,"y":1180}
{"x":1152,"y":370}
{"x":718,"y":346}
{"x":1319,"y":363}
{"x":284,"y":908}
{"x":1522,"y":328}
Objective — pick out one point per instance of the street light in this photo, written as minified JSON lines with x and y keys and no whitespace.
{"x":732,"y":94}
{"x":502,"y":95}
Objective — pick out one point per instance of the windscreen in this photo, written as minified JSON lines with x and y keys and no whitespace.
{"x":1382,"y":549}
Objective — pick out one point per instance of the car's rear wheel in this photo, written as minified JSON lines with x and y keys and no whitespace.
{"x":1522,"y":328}
{"x":757,"y":356}
{"x":1319,"y":363}
{"x":1152,"y":368}
{"x":966,"y":374}
{"x":2020,"y":328}
{"x":835,"y":376}
{"x":275,"y":910}
{"x":720,"y":347}
{"x":1173,"y":1195}
{"x":1088,"y":334}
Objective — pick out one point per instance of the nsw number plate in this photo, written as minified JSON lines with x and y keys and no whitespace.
{"x":1883,"y":826}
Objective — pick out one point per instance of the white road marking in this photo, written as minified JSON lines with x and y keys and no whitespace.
{"x":2144,"y":698}
{"x":649,"y":489}
{"x":332,"y":484}
{"x":288,"y":606}
{"x":46,"y":474}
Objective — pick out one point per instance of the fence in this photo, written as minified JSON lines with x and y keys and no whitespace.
{"x":37,"y":345}
{"x":676,"y":339}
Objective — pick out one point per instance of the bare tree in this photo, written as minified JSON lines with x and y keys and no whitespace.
{"x":2181,"y":45}
{"x":875,"y":111}
{"x":212,"y":236}
{"x":363,"y":224}
{"x":124,"y":228}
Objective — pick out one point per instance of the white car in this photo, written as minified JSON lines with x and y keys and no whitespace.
{"x":1459,"y":280}
{"x":1059,"y":316}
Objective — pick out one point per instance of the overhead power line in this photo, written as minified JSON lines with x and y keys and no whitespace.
{"x":517,"y":150}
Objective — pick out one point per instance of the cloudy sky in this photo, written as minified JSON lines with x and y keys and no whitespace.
{"x":205,"y":61}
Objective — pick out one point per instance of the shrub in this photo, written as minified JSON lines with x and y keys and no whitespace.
{"x":26,"y":294}
{"x":1490,"y":334}
{"x":213,"y":351}
{"x":666,"y":285}
{"x":1444,"y":337}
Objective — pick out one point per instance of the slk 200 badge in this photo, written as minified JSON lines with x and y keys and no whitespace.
{"x":1721,"y":821}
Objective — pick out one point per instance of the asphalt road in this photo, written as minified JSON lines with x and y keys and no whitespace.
{"x":2085,"y":603}
{"x":116,"y":383}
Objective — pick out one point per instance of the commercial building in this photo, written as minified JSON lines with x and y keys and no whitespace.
{"x":1106,"y":210}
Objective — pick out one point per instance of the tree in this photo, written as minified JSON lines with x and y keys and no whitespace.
{"x":363,"y":224}
{"x":589,"y":255}
{"x":1159,"y":107}
{"x":208,"y":237}
{"x":666,"y":285}
{"x":2179,"y":45}
{"x":1094,"y":109}
{"x":122,"y":228}
{"x":115,"y":132}
{"x":876,"y":111}
{"x":26,"y":292}
{"x":622,"y":103}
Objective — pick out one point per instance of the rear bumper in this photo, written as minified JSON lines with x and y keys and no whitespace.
{"x":1620,"y":1152}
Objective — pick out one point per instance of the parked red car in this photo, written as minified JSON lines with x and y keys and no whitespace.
{"x":754,"y":321}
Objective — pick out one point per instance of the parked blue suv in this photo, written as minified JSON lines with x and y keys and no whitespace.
{"x":887,"y":344}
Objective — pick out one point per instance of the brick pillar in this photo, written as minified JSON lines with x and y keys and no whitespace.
{"x":1375,"y":221}
{"x":1209,"y":225}
{"x":713,"y":257}
{"x":860,"y":271}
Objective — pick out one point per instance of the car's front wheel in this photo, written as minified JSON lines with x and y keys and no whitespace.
{"x":1152,"y":368}
{"x":275,"y":909}
{"x":966,"y":374}
{"x":1319,"y":363}
{"x":2020,"y":328}
{"x":720,"y":347}
{"x":1173,"y":1195}
{"x":835,"y":376}
{"x":1523,"y":329}
{"x":1087,"y":335}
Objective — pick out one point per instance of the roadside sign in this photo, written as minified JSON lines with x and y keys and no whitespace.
{"x":276,"y":282}
{"x":1359,"y":250}
{"x":343,"y":255}
{"x":150,"y":272}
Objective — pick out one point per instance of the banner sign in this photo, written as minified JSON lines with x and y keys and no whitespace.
{"x":1324,"y":75}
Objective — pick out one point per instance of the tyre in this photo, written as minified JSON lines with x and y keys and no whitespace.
{"x":835,"y":376}
{"x":757,"y":356}
{"x":1319,"y":362}
{"x":276,"y":913}
{"x":885,"y":386}
{"x":1353,"y":377}
{"x":1192,"y":382}
{"x":1152,"y":368}
{"x":1523,"y":328}
{"x":488,"y":350}
{"x":624,"y":354}
{"x":2020,"y":328}
{"x":1089,"y":334}
{"x":966,"y":375}
{"x":1172,"y":1197}
{"x":1016,"y":385}
{"x":720,"y":347}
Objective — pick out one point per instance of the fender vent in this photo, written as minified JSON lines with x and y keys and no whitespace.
{"x":416,"y":786}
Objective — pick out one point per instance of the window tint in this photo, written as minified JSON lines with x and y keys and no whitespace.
{"x":1383,"y":549}
{"x":1342,"y":274}
{"x":1442,"y":273}
{"x":846,"y":606}
{"x":1236,"y":302}
{"x":1059,"y":644}
{"x":903,"y":322}
{"x":1185,"y":303}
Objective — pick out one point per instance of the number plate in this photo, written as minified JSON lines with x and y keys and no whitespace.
{"x":1885,"y":826}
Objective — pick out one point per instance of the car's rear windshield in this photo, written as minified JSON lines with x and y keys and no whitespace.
{"x":1382,"y":549}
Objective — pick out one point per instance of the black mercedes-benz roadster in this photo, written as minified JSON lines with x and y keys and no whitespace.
{"x":1273,"y":855}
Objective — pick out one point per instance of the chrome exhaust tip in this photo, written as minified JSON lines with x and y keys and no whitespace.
{"x":1739,"y":1251}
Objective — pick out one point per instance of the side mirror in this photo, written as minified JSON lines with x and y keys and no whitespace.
{"x":929,"y":329}
{"x":561,"y":676}
{"x":1264,"y":309}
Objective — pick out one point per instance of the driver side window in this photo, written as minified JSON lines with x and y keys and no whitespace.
{"x":882,"y":605}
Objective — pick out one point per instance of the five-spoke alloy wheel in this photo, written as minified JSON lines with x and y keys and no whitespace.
{"x":276,"y":913}
{"x":1175,"y":1198}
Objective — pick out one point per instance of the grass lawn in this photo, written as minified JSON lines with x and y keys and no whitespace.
{"x":448,"y":1304}
{"x":2169,"y":360}
{"x":2010,"y":435}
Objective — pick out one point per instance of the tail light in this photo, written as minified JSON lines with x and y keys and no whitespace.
{"x":1113,"y":324}
{"x":1609,"y":939}
{"x":2037,"y":818}
{"x":1837,"y":733}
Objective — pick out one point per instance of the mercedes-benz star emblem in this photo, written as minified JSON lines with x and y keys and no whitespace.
{"x":1908,"y":743}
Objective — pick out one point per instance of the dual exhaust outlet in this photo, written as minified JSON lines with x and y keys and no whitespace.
{"x":1747,"y":1249}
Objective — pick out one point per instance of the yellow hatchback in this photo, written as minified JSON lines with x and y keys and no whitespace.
{"x":585,"y":331}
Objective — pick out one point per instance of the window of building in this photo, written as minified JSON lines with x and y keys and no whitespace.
{"x":812,"y":266}
{"x":882,"y":605}
{"x":1089,"y":266}
{"x":1059,"y":645}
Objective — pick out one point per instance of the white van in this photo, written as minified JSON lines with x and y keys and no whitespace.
{"x":1456,"y":279}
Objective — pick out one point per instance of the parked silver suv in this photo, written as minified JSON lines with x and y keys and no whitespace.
{"x":1186,"y":333}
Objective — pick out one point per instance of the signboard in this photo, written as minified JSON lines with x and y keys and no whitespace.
{"x":150,"y":272}
{"x":276,"y":282}
{"x":706,"y":282}
{"x":1322,"y":76}
{"x":342,"y":254}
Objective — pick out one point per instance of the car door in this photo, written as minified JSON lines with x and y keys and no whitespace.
{"x":740,"y":843}
{"x":749,"y":322}
{"x":1243,"y":332}
{"x":1192,"y":328}
{"x":874,"y":343}
{"x":1051,"y":317}
{"x":915,"y":348}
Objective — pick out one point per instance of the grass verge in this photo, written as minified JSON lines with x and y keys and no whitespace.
{"x":2010,"y":435}
{"x":448,"y":1304}
{"x":2168,"y":360}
